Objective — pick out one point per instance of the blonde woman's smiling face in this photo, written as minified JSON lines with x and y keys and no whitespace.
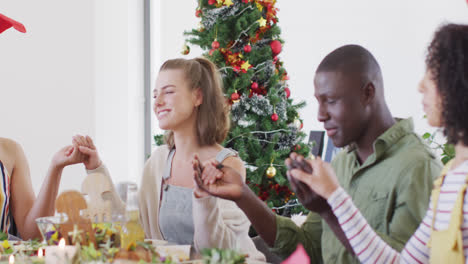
{"x":174,"y":101}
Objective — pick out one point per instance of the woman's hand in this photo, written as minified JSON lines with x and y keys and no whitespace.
{"x":67,"y":156}
{"x":218,"y":180}
{"x":197,"y":172}
{"x":322,"y":180}
{"x":86,"y":146}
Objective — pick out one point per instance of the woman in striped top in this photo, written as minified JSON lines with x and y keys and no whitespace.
{"x":18,"y":204}
{"x":445,"y":92}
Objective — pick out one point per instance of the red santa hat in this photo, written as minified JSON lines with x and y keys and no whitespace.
{"x":6,"y":23}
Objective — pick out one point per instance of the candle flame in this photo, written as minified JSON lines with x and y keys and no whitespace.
{"x":62,"y":243}
{"x":40,"y":253}
{"x":12,"y":259}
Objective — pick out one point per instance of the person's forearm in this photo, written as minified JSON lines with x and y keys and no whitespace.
{"x":44,"y":205}
{"x":259,"y":214}
{"x":335,"y":226}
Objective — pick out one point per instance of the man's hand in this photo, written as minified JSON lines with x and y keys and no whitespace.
{"x":86,"y":146}
{"x":218,"y":180}
{"x":310,"y":199}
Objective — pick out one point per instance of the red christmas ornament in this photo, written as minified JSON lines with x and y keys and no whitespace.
{"x":235,"y":97}
{"x":211,"y":2}
{"x":247,"y":1}
{"x":287,"y":91}
{"x":254,"y":86}
{"x":215,"y":44}
{"x":297,"y":147}
{"x":275,"y":47}
{"x":198,"y":13}
{"x":247,"y":48}
{"x":302,"y":125}
{"x":274,"y":117}
{"x":211,"y":52}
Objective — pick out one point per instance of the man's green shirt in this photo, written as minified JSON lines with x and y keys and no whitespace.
{"x":391,"y":189}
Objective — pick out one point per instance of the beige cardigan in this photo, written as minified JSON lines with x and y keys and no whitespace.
{"x":218,"y":223}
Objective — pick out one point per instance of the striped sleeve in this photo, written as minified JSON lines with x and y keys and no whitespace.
{"x":367,"y":245}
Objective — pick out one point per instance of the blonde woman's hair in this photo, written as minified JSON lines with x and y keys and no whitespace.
{"x":213,"y":114}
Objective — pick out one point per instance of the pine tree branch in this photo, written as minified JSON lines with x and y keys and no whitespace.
{"x":242,"y":33}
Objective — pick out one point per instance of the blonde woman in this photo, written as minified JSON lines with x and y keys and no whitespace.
{"x":189,"y":104}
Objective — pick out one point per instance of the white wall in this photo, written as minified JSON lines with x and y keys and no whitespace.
{"x":119,"y":86}
{"x":46,"y":80}
{"x":78,"y":69}
{"x":396,"y":32}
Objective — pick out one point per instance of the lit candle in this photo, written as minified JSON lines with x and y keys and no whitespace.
{"x":59,"y":254}
{"x":11,"y":260}
{"x":62,"y":244}
{"x":40,"y":253}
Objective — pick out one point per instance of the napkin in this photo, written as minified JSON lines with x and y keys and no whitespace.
{"x":299,"y":256}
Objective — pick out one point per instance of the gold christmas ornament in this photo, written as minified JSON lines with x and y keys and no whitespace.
{"x":185,"y":49}
{"x":201,"y":28}
{"x":245,"y":66}
{"x":297,"y":123}
{"x":271,"y":171}
{"x":262,"y":22}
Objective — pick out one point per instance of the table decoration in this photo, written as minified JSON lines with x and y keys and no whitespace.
{"x":60,"y":254}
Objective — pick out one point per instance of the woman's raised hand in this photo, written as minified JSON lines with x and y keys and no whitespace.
{"x":86,"y":146}
{"x":68,"y":155}
{"x":218,"y":180}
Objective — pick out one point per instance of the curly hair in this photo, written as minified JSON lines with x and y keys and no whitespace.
{"x":447,"y":61}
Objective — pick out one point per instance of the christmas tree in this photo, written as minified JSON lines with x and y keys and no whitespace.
{"x":243,"y":39}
